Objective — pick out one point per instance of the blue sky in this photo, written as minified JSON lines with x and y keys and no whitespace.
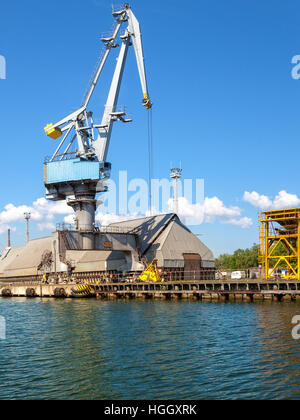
{"x":219,"y":74}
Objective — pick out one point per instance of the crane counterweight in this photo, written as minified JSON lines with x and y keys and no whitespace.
{"x":53,"y":132}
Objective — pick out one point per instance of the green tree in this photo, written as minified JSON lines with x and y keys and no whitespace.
{"x":240,"y":259}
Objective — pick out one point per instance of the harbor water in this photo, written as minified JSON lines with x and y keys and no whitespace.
{"x":89,"y":349}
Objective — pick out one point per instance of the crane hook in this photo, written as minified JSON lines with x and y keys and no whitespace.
{"x":146,"y":101}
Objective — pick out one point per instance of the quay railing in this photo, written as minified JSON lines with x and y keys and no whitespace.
{"x":168,"y":276}
{"x":97,"y":228}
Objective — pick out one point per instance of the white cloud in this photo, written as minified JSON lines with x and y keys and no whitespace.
{"x":52,"y":208}
{"x":42,"y":211}
{"x":70,"y":219}
{"x":4,"y":228}
{"x":213,"y":209}
{"x":243,"y":222}
{"x":106,"y":219}
{"x":12,"y":213}
{"x":46,"y":226}
{"x":285,"y":200}
{"x":257,"y":200}
{"x":282,"y":200}
{"x":194,"y":214}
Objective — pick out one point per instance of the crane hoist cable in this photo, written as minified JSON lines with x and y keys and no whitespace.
{"x":150,"y":153}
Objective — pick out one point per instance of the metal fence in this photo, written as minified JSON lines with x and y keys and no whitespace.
{"x":97,"y":228}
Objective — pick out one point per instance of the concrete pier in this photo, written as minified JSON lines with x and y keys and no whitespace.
{"x":37,"y":290}
{"x":208,"y":291}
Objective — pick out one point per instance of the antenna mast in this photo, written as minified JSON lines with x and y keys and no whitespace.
{"x":27,"y":217}
{"x":176,"y":174}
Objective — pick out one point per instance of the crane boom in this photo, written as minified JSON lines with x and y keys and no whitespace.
{"x":101,"y":145}
{"x":109,"y":43}
{"x":132,"y":34}
{"x":136,"y":37}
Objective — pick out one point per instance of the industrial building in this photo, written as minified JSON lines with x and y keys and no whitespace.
{"x":121,"y":247}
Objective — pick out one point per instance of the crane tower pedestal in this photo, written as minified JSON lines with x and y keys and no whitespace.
{"x":85,"y":209}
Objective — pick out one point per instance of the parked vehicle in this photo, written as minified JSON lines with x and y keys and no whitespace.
{"x":237,"y":275}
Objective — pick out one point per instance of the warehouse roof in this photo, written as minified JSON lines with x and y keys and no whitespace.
{"x":178,"y":240}
{"x":25,"y":259}
{"x":167,"y":235}
{"x":147,"y":228}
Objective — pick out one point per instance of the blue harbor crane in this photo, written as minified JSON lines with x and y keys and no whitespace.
{"x":78,"y":176}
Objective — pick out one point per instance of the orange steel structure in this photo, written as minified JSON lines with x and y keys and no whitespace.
{"x":279,"y":236}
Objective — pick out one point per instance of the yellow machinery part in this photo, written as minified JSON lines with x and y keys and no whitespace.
{"x":279,"y":237}
{"x":84,"y":289}
{"x":146,"y":102}
{"x":151,"y":273}
{"x":53,"y":132}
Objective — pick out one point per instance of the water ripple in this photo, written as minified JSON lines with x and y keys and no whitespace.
{"x":148,"y":350}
